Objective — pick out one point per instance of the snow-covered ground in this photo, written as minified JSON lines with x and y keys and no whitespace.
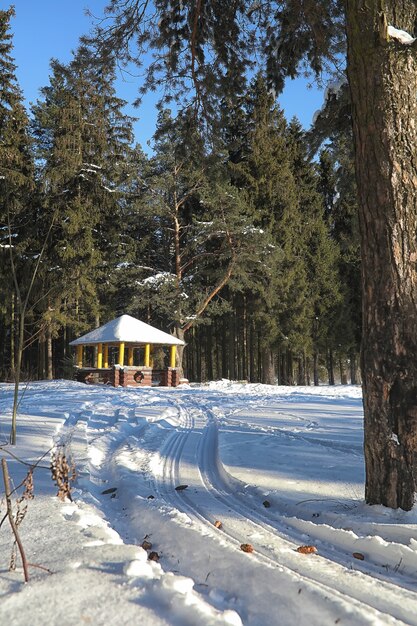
{"x":279,"y":467}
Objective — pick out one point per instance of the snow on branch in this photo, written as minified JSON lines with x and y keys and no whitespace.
{"x":401,"y":35}
{"x":157,"y":280}
{"x":332,"y":90}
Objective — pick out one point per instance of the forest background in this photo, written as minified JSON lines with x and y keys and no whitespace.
{"x":244,"y":242}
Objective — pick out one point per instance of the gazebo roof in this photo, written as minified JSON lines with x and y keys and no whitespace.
{"x":127,"y":329}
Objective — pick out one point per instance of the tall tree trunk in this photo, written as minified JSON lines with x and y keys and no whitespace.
{"x":218,"y":346}
{"x":179,"y":334}
{"x":330,"y":366}
{"x":307,"y":368}
{"x":252,"y":371}
{"x":49,"y":367}
{"x":268,"y":367}
{"x":343,"y":377}
{"x":41,"y":356}
{"x":12,"y":334}
{"x":244,"y":340}
{"x":225,"y":372}
{"x":290,"y":367}
{"x":382,"y":75}
{"x":239,"y":339}
{"x":301,"y":378}
{"x":316,"y":369}
{"x":354,"y":373}
{"x":259,"y":356}
{"x":3,"y":335}
{"x":352,"y":366}
{"x":282,"y":377}
{"x":232,"y":362}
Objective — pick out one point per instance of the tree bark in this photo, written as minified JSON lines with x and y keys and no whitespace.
{"x":231,"y":350}
{"x":316,"y":369}
{"x":49,"y":356}
{"x":382,"y":75}
{"x":290,"y":368}
{"x":225,"y":371}
{"x":330,"y":366}
{"x":12,"y":335}
{"x":268,"y":367}
{"x":307,"y":368}
{"x":302,"y":378}
{"x":179,"y":334}
{"x":353,"y":368}
{"x":252,"y":370}
{"x":343,"y":377}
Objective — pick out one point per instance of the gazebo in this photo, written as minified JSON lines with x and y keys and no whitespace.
{"x":123,"y":355}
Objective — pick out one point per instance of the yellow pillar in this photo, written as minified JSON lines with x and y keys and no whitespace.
{"x":105,"y":355}
{"x":147,"y":354}
{"x":99,"y":355}
{"x":121,"y":353}
{"x":79,"y":356}
{"x":172,"y":355}
{"x":130,"y":355}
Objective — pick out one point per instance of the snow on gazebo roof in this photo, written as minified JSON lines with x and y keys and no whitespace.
{"x":127,"y":329}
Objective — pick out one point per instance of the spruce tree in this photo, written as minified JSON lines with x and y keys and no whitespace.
{"x":18,"y":230}
{"x":264,"y":172}
{"x":320,"y":249}
{"x":337,"y":184}
{"x":84,"y":150}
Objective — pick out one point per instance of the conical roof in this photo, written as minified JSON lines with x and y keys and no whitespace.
{"x":127,"y":329}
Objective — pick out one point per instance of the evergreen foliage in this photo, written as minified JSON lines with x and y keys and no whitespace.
{"x":232,"y":239}
{"x":84,"y":151}
{"x":18,"y":207}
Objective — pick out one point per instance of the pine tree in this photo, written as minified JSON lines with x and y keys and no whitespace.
{"x":18,"y":233}
{"x":198,"y":229}
{"x":84,"y":150}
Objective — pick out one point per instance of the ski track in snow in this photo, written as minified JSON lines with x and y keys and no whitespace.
{"x":172,"y":439}
{"x":221,"y":499}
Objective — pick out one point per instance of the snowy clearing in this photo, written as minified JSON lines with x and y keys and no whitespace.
{"x":278,"y":467}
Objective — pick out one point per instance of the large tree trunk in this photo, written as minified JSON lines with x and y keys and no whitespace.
{"x":179,"y":334}
{"x":383,"y":82}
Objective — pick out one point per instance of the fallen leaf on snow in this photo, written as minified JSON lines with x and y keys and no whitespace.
{"x":146,"y":545}
{"x":307,"y":549}
{"x":246,"y":547}
{"x":266,"y":504}
{"x":110,"y":490}
{"x":181,"y":487}
{"x":358,"y":555}
{"x":153,"y":556}
{"x":218,"y":523}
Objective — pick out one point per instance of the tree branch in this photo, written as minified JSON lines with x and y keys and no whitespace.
{"x":11,"y":519}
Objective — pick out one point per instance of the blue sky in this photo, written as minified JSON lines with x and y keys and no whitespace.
{"x":43,"y":29}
